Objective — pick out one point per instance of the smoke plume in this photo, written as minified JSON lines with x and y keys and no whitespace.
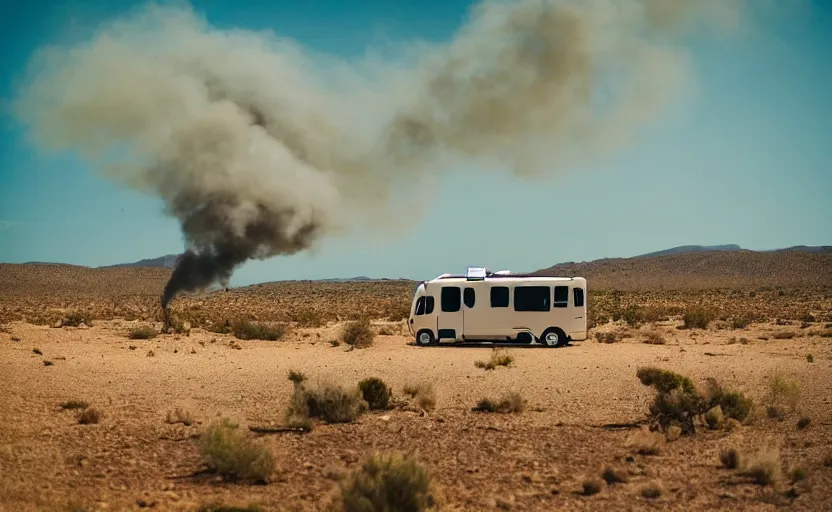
{"x":261,"y":148}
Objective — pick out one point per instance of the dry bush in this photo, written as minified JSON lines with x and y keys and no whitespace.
{"x":783,"y":396}
{"x":142,"y":333}
{"x":358,"y":333}
{"x":810,"y":358}
{"x":783,"y":335}
{"x":388,"y":482}
{"x":74,"y":404}
{"x":614,"y":476}
{"x":763,"y":467}
{"x":76,"y":318}
{"x":698,"y":317}
{"x":631,"y":315}
{"x":179,"y":415}
{"x":511,"y":402}
{"x":248,"y":330}
{"x":827,"y":460}
{"x":592,"y":486}
{"x":654,"y":338}
{"x":499,"y":357}
{"x":646,"y":442}
{"x":309,"y":318}
{"x":803,"y":423}
{"x":329,"y":402}
{"x":733,"y":404}
{"x":423,"y":393}
{"x":741,"y":322}
{"x":232,"y":455}
{"x":376,"y":393}
{"x":730,"y":458}
{"x":296,"y":377}
{"x":89,"y":416}
{"x":607,"y":337}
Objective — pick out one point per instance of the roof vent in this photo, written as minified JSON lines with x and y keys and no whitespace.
{"x":476,"y":273}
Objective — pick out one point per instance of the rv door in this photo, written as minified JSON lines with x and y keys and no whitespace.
{"x":450,"y":317}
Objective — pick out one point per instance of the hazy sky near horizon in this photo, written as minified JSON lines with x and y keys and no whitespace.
{"x":744,"y":159}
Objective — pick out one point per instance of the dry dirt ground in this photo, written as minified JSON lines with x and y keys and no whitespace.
{"x":537,"y":459}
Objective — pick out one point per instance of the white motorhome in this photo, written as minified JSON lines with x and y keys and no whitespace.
{"x":499,"y":306}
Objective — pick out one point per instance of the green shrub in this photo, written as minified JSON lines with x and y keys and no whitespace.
{"x":388,"y":482}
{"x":375,"y":392}
{"x":232,"y":455}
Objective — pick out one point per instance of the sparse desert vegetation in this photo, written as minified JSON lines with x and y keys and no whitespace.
{"x":220,"y":416}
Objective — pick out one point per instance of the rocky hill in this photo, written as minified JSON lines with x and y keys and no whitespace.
{"x":705,"y":269}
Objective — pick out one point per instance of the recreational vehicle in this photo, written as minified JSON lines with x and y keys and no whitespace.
{"x":499,"y":306}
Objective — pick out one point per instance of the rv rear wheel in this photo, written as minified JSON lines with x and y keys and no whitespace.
{"x":553,"y":337}
{"x":425,"y":337}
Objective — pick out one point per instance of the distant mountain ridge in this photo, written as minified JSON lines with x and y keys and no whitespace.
{"x":166,"y":261}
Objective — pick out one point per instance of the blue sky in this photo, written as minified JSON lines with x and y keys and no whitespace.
{"x":745,"y":160}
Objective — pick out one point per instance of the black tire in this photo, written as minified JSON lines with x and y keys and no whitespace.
{"x":524,"y":338}
{"x":553,"y":337}
{"x":425,"y":338}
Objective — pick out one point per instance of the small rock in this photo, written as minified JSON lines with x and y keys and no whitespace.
{"x":172,"y":495}
{"x":308,"y":465}
{"x":15,"y":338}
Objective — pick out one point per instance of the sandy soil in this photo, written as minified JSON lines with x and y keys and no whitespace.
{"x":534,"y":460}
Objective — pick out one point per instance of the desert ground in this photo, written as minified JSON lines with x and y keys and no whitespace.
{"x":577,"y":437}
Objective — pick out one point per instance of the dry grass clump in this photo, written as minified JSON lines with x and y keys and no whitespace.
{"x":654,"y":338}
{"x":376,"y":393}
{"x":296,"y":377}
{"x":783,"y":396}
{"x":698,"y":317}
{"x":248,"y":330}
{"x":423,"y":393}
{"x":142,"y":333}
{"x":803,"y":423}
{"x":179,"y":415}
{"x":232,"y":455}
{"x":741,"y":322}
{"x":714,"y":418}
{"x":607,"y":337}
{"x":730,"y":458}
{"x":388,"y":482}
{"x":330,"y":402}
{"x":511,"y":402}
{"x":358,"y":333}
{"x":646,"y":442}
{"x":89,"y":416}
{"x":499,"y":357}
{"x":763,"y":467}
{"x":827,"y":460}
{"x":309,"y":318}
{"x":77,"y":318}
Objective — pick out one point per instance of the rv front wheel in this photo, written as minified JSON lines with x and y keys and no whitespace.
{"x":553,"y":337}
{"x":425,"y":337}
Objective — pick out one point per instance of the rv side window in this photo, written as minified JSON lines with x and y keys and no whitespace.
{"x":469,"y":297}
{"x":420,"y":306}
{"x":532,"y":298}
{"x":451,"y":296}
{"x":499,"y":297}
{"x":561,"y":297}
{"x":579,"y":297}
{"x":429,"y":304}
